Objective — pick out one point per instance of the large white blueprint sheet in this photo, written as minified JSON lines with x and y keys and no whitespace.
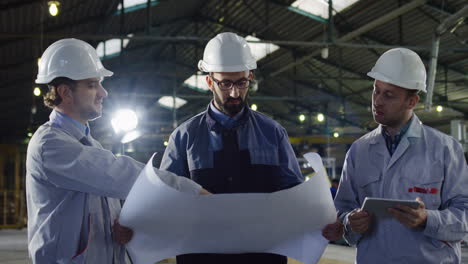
{"x":167,"y":222}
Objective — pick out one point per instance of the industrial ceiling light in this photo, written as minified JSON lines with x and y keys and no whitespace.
{"x":302,"y":118}
{"x":124,"y":120}
{"x":320,"y":117}
{"x":324,"y":53}
{"x":130,"y":136}
{"x":439,"y":108}
{"x":336,"y":134}
{"x":254,"y":107}
{"x":37,"y":91}
{"x":53,"y":7}
{"x":166,"y":143}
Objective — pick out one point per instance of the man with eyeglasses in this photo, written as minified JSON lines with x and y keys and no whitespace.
{"x":230,"y":148}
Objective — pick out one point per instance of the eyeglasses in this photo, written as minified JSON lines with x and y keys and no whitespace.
{"x":226,"y":85}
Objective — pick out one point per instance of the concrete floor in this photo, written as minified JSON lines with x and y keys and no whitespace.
{"x":13,"y":250}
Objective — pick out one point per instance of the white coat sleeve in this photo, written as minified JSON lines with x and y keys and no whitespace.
{"x":71,"y":165}
{"x":346,"y":198}
{"x":450,"y":221}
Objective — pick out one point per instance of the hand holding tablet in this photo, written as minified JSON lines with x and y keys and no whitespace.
{"x":379,"y":206}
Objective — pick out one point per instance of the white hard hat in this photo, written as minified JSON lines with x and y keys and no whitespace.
{"x":71,"y":58}
{"x":227,"y":52}
{"x":401,"y":67}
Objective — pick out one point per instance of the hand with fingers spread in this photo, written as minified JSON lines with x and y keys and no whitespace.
{"x":121,"y":234}
{"x":410,"y":217}
{"x":333,"y":231}
{"x":360,"y":221}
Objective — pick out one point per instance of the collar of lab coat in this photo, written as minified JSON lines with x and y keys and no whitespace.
{"x":56,"y":120}
{"x":379,"y":148}
{"x":414,"y":131}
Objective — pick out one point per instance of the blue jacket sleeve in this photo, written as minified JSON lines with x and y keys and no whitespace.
{"x":175,"y":156}
{"x":290,"y":172}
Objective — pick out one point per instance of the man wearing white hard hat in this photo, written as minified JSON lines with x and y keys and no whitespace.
{"x":73,"y":185}
{"x":405,"y":160}
{"x":230,"y":148}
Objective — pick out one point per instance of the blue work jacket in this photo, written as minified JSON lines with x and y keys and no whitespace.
{"x":193,"y":147}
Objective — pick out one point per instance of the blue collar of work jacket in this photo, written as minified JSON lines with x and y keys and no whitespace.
{"x":239,"y":120}
{"x":225,"y":120}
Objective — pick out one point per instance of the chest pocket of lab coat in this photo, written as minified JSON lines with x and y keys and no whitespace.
{"x":425,"y":182}
{"x":368,"y":181}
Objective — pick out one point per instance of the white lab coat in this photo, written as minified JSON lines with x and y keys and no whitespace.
{"x":426,"y":163}
{"x":73,"y":193}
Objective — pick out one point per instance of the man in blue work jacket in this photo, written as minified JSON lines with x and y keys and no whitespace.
{"x":73,"y":185}
{"x":230,"y":148}
{"x":404,"y":159}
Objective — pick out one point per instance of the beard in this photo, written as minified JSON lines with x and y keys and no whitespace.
{"x":231,"y":106}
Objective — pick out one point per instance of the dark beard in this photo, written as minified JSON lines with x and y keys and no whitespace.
{"x":229,"y":108}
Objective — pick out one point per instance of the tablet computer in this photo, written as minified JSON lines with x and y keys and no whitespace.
{"x":379,"y":206}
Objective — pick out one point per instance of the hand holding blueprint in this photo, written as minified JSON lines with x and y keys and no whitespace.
{"x":167,"y":222}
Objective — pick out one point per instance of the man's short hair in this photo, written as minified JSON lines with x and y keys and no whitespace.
{"x":52,"y":98}
{"x":412,"y":93}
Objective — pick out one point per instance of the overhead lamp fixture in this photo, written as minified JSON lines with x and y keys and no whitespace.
{"x":130,"y":148}
{"x":124,"y":120}
{"x":166,"y":143}
{"x":254,"y":107}
{"x":30,"y":134}
{"x":439,"y":108}
{"x":320,"y":117}
{"x":336,"y":134}
{"x":130,"y":136}
{"x":53,"y":7}
{"x":324,"y":53}
{"x":302,"y":118}
{"x":37,"y":91}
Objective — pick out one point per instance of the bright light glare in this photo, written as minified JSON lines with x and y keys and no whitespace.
{"x":37,"y":91}
{"x":301,"y":118}
{"x":53,"y":8}
{"x":320,"y":7}
{"x":130,"y":3}
{"x":130,"y":136}
{"x":166,"y":143}
{"x":124,"y":120}
{"x":30,"y":134}
{"x":260,"y":50}
{"x":439,"y":108}
{"x":254,"y":107}
{"x":320,"y":117}
{"x":111,"y":46}
{"x":336,"y":134}
{"x":168,"y":102}
{"x":197,"y":82}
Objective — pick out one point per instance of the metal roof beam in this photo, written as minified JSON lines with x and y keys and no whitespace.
{"x":380,"y":21}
